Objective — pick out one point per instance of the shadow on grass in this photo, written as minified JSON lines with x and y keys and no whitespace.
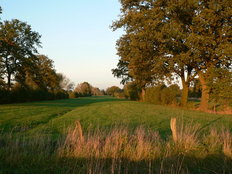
{"x":82,"y":101}
{"x":212,"y":164}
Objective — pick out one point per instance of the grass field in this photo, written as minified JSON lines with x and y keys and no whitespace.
{"x":53,"y":117}
{"x":34,"y":137}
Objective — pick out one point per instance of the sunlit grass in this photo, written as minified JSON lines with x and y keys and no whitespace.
{"x":119,"y":150}
{"x":112,"y":136}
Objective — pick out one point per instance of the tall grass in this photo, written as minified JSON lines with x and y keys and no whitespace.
{"x":174,"y":155}
{"x":120,"y":150}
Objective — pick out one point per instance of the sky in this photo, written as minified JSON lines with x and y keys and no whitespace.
{"x":76,"y":35}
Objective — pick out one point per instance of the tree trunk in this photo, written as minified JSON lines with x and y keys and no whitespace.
{"x":143,"y":92}
{"x":185,"y":91}
{"x":204,"y":93}
{"x":9,"y":81}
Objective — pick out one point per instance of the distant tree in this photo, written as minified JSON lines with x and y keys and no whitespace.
{"x":47,"y":73}
{"x":103,"y":92}
{"x":84,"y":89}
{"x":28,"y":74}
{"x":97,"y":92}
{"x":153,"y":94}
{"x":65,"y":83}
{"x":17,"y":43}
{"x":169,"y":95}
{"x":39,"y":73}
{"x":113,"y":90}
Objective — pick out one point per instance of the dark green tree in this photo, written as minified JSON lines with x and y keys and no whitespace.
{"x":165,"y":39}
{"x":153,"y":47}
{"x":17,"y":43}
{"x":2,"y":82}
{"x":39,"y":73}
{"x":132,"y":91}
{"x":210,"y":41}
{"x":220,"y":86}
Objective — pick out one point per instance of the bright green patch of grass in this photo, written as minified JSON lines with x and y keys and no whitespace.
{"x":53,"y":117}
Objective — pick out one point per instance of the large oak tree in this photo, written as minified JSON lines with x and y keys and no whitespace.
{"x":165,"y":38}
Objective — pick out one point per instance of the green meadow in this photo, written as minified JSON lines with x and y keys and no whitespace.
{"x":54,"y":117}
{"x":108,"y":135}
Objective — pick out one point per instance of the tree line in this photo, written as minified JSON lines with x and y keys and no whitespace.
{"x":166,"y":40}
{"x":86,"y":90}
{"x":25,"y":75}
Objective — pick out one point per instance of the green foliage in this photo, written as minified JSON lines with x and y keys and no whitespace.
{"x":174,"y":38}
{"x":153,"y":94}
{"x":132,"y":91}
{"x":220,"y":82}
{"x":169,"y":95}
{"x":18,"y":43}
{"x":18,"y":95}
{"x":113,"y":90}
{"x":162,"y":95}
{"x":25,"y":76}
{"x":39,"y":74}
{"x":72,"y":94}
{"x":34,"y":82}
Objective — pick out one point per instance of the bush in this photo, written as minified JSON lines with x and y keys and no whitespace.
{"x":153,"y":94}
{"x":112,"y":90}
{"x":119,"y":94}
{"x":162,"y":94}
{"x":18,"y":95}
{"x":131,"y":91}
{"x":169,"y":95}
{"x":71,"y":94}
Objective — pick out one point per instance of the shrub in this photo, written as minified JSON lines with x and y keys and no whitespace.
{"x":72,"y":94}
{"x":26,"y":95}
{"x":131,"y":91}
{"x":112,"y":90}
{"x":119,"y":94}
{"x":162,"y":94}
{"x":153,"y":94}
{"x":169,"y":95}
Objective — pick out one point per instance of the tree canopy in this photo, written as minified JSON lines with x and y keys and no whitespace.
{"x":165,"y":39}
{"x":24,"y":74}
{"x":17,"y":44}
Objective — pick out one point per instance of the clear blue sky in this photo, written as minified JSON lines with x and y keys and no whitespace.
{"x":75,"y":34}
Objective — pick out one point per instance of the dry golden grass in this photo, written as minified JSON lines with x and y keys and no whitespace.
{"x":227,"y":143}
{"x":116,"y":144}
{"x":123,"y":151}
{"x":141,"y":144}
